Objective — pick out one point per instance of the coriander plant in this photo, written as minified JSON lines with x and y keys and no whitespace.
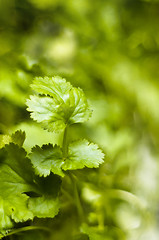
{"x":31,"y":184}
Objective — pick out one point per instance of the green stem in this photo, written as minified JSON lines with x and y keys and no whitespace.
{"x":28,"y":228}
{"x":67,"y":195}
{"x":65,"y":145}
{"x":77,"y":198}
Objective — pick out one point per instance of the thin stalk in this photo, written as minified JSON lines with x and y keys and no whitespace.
{"x":28,"y":228}
{"x":76,"y":193}
{"x":64,"y":144}
{"x":67,"y":195}
{"x":77,"y":198}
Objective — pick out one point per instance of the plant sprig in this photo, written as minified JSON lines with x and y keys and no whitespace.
{"x":30,"y":184}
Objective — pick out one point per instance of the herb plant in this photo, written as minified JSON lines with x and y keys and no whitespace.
{"x":32,"y":184}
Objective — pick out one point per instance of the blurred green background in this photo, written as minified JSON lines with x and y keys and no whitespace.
{"x":109,"y":48}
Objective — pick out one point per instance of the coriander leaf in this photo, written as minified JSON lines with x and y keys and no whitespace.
{"x":50,"y":158}
{"x":20,"y":188}
{"x":58,"y":103}
{"x":18,"y":137}
{"x":47,"y":205}
{"x":83,"y":154}
{"x":43,"y":207}
{"x":47,"y":159}
{"x":77,"y":107}
{"x":4,"y":139}
{"x":55,"y":87}
{"x":15,"y":179}
{"x":46,"y":111}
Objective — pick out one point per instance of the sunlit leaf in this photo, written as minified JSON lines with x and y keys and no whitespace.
{"x":47,"y":159}
{"x":83,"y":154}
{"x":58,"y":103}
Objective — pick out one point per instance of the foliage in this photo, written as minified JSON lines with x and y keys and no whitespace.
{"x":110,"y":50}
{"x":24,"y":194}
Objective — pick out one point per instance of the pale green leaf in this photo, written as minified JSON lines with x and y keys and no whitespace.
{"x":50,"y":158}
{"x":58,"y":103}
{"x":83,"y":154}
{"x":77,"y":107}
{"x":47,"y":159}
{"x":47,"y":112}
{"x":55,"y":87}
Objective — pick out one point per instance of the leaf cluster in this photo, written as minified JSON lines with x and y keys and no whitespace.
{"x":30,"y":183}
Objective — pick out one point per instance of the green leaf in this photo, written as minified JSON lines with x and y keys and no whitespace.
{"x":47,"y":205}
{"x":47,"y":159}
{"x":83,"y":154}
{"x":15,"y":179}
{"x":4,"y":139}
{"x":46,"y":111}
{"x":50,"y":158}
{"x":77,"y":106}
{"x":43,"y":207}
{"x":18,"y":137}
{"x":57,"y":104}
{"x":20,"y":188}
{"x":55,"y":87}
